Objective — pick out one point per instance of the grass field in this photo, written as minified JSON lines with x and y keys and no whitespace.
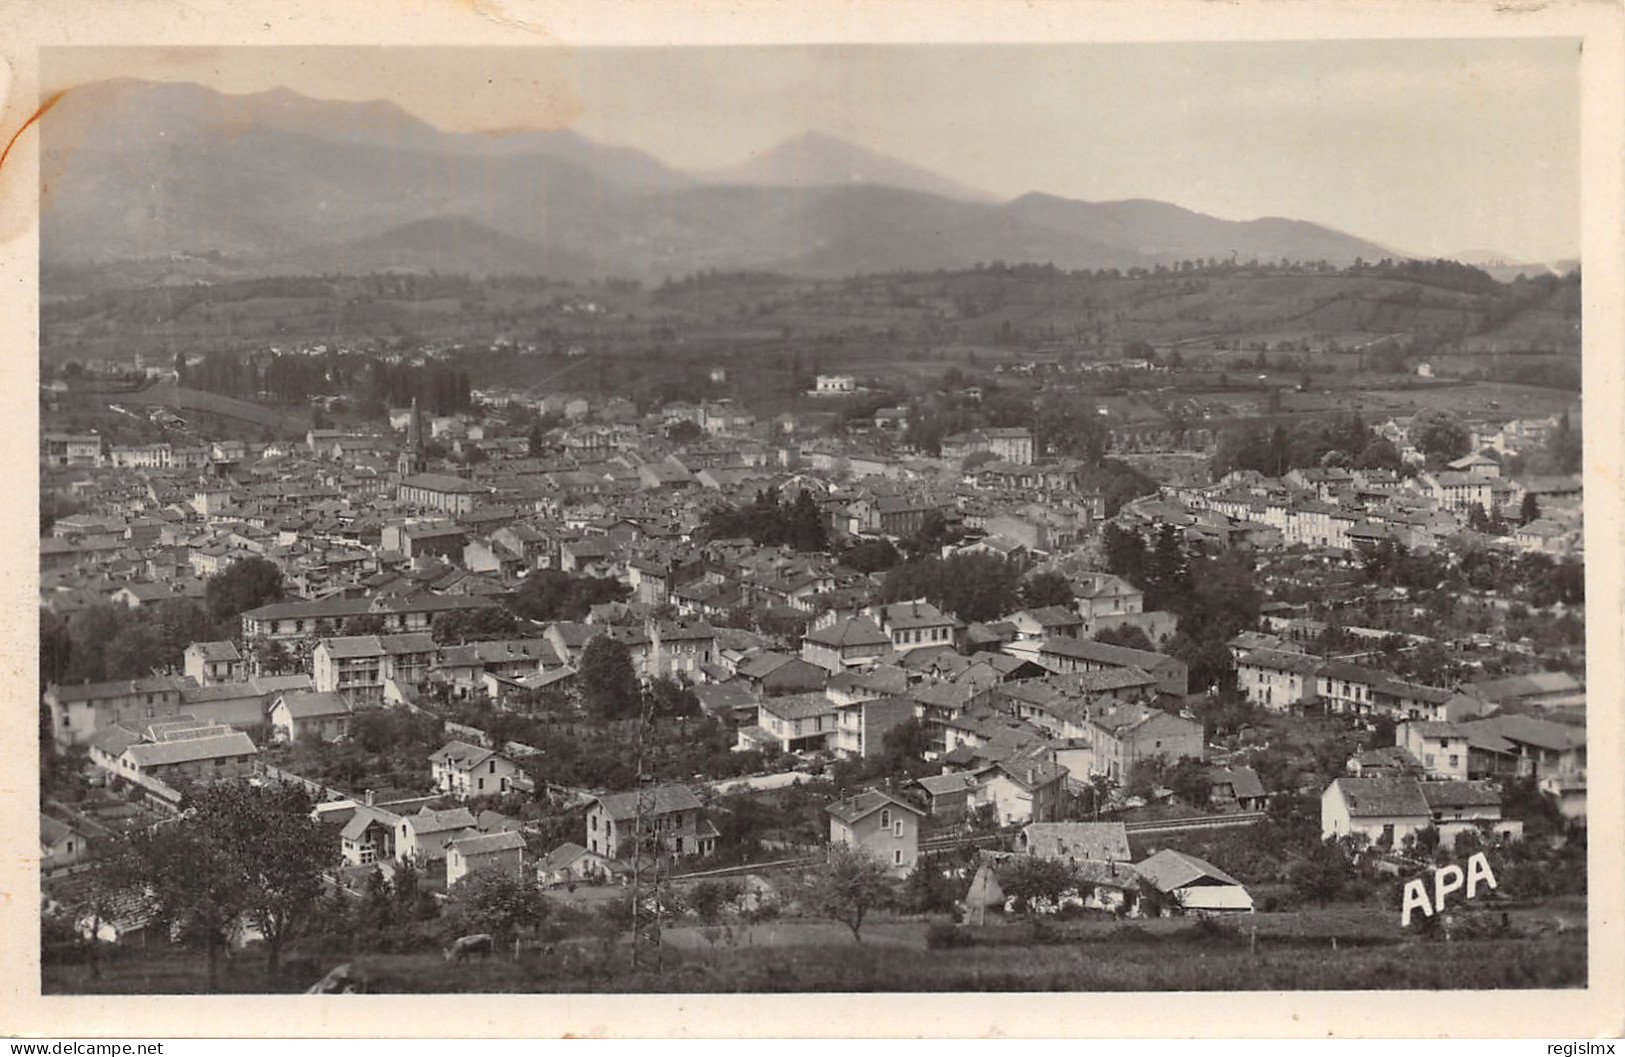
{"x":1342,"y":948}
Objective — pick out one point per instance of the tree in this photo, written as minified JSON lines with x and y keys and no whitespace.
{"x":668,"y":697}
{"x":1167,"y":577}
{"x":503,"y":904}
{"x":709,"y":898}
{"x":927,"y":888}
{"x":1378,"y":454}
{"x":1323,"y":874}
{"x":903,"y":748}
{"x":472,"y":625}
{"x":1127,"y":635}
{"x":277,"y":849}
{"x":685,"y":432}
{"x":1032,"y":881}
{"x":805,"y":524}
{"x":1529,"y":509}
{"x":855,"y":883}
{"x":609,"y":686}
{"x":1439,"y":435}
{"x":365,"y":624}
{"x":245,"y":585}
{"x":871,"y":556}
{"x":190,"y":882}
{"x":1046,"y":589}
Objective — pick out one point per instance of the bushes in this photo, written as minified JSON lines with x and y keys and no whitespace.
{"x":945,"y":936}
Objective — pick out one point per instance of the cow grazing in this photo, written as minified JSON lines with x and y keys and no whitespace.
{"x":463,"y":946}
{"x":342,"y":980}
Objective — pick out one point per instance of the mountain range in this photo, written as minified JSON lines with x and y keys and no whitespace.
{"x":276,"y":182}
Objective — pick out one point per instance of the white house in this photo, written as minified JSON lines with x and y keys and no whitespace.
{"x":463,"y":770}
{"x":886,"y":827}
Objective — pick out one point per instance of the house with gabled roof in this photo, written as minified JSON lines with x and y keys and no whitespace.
{"x":312,"y":714}
{"x":912,"y":625}
{"x":1066,"y":656}
{"x":500,"y":853}
{"x":368,"y":836}
{"x":1188,"y":885}
{"x":1075,"y":841}
{"x":1278,"y":680}
{"x":424,"y":836}
{"x":213,"y":662}
{"x":463,"y":770}
{"x":60,"y":844}
{"x":1385,"y":810}
{"x":1235,"y":787}
{"x":1125,"y":735}
{"x":885,"y":826}
{"x":673,"y":814}
{"x":846,"y":643}
{"x":570,"y":862}
{"x":1442,"y":748}
{"x":1047,"y":622}
{"x":219,"y":753}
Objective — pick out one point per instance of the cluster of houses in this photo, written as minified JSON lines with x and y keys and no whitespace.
{"x":792,"y":650}
{"x":1355,"y":511}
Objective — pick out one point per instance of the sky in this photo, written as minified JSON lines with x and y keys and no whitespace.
{"x":1433,"y":147}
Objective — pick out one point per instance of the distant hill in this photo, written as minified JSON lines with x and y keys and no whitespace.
{"x":813,"y":159}
{"x":439,"y":244}
{"x":279,"y":183}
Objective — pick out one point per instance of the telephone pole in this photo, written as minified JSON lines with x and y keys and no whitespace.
{"x":647,"y":848}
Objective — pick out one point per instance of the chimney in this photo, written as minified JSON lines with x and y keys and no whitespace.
{"x":370,"y":797}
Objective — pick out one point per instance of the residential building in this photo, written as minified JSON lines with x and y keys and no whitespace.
{"x":1277,"y":680}
{"x":1442,"y":748}
{"x":1384,"y":810}
{"x":1125,"y":735}
{"x":485,"y":853}
{"x":213,"y":662}
{"x":794,"y":723}
{"x":881,"y":824}
{"x":910,"y":625}
{"x":79,"y":710}
{"x":368,"y":836}
{"x":463,"y":770}
{"x":1074,"y":842}
{"x":673,"y":815}
{"x":214,"y":754}
{"x":423,"y":837}
{"x":1348,"y":689}
{"x":309,"y":714}
{"x":1066,"y":656}
{"x":861,"y":725}
{"x":358,"y":666}
{"x":848,"y":642}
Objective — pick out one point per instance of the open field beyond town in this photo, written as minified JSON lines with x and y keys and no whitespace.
{"x":1336,"y":950}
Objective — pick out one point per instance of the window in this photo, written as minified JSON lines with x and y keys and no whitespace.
{"x":897,"y":857}
{"x":493,"y":769}
{"x":885,"y":817}
{"x":897,"y":828}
